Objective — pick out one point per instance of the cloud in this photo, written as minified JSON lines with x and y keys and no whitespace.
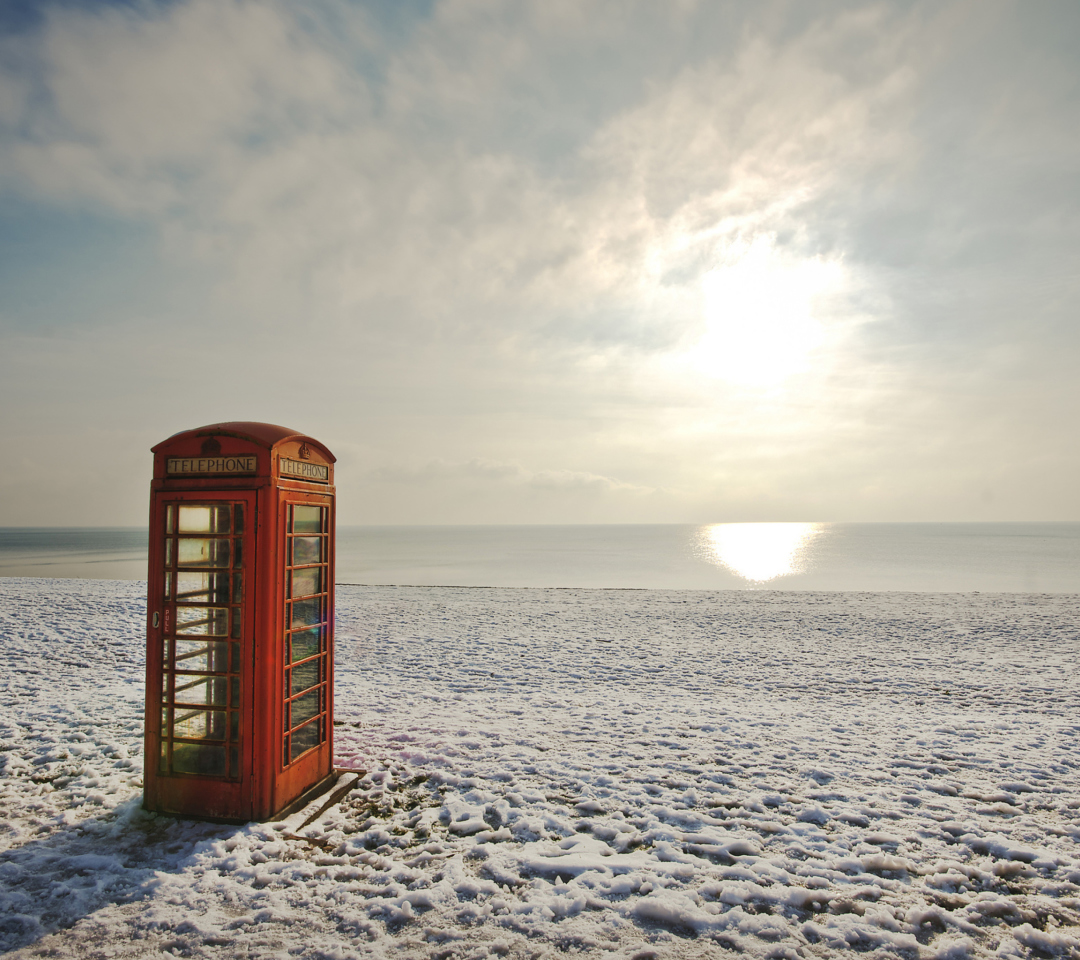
{"x":309,"y":183}
{"x":140,"y":105}
{"x":507,"y":473}
{"x":496,"y":234}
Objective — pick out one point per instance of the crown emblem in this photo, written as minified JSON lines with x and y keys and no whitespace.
{"x":304,"y":452}
{"x":211,"y":447}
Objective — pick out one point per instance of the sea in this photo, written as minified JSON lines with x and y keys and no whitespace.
{"x":920,"y":557}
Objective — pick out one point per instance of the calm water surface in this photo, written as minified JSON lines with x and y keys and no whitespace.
{"x":1009,"y":557}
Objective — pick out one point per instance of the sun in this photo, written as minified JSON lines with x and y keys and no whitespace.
{"x":759,"y":315}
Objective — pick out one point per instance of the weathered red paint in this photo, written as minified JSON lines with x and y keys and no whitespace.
{"x":237,"y":707}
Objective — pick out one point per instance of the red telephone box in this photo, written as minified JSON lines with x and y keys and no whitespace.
{"x":240,"y":618}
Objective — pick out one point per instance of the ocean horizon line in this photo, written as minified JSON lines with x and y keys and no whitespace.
{"x":642,"y":523}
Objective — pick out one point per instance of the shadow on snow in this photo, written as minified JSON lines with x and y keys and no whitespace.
{"x":50,"y":884}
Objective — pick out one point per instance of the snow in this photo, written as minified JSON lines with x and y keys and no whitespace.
{"x":610,"y":773}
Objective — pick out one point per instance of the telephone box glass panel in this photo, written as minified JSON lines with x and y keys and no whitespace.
{"x":201,"y":675}
{"x":307,"y":608}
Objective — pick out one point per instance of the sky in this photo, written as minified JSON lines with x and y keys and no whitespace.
{"x":548,"y":262}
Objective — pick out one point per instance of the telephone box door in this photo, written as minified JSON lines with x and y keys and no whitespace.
{"x":201,"y":666}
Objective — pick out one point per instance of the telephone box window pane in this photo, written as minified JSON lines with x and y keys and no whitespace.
{"x":202,"y":587}
{"x":235,"y":657}
{"x":237,"y":582}
{"x":306,"y":643}
{"x":221,"y":518}
{"x":198,"y":758}
{"x":306,"y":613}
{"x":207,"y":519}
{"x":202,"y":657}
{"x":307,"y":519}
{"x":204,"y":553}
{"x":304,"y":583}
{"x":235,"y":634}
{"x":194,"y":519}
{"x":202,"y":691}
{"x":304,"y":739}
{"x":168,"y":586}
{"x":305,"y":707}
{"x":238,"y":518}
{"x":306,"y":550}
{"x":306,"y":676}
{"x":199,"y":724}
{"x":202,"y":621}
{"x":170,"y":514}
{"x":168,"y":553}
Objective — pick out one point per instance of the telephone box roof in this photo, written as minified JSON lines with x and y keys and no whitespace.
{"x":267,"y":435}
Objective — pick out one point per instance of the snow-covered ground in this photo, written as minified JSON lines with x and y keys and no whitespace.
{"x":625,"y":774}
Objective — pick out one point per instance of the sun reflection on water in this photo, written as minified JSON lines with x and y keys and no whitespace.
{"x":759,"y":552}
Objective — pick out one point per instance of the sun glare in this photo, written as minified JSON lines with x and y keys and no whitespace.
{"x":759,"y":316}
{"x":759,"y":552}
